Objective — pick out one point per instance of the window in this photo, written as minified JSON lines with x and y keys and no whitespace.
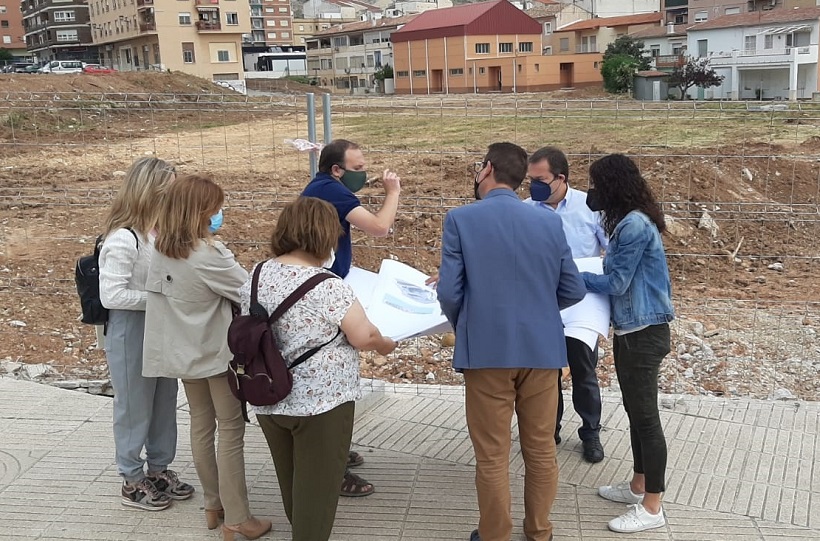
{"x":6,"y":39}
{"x":185,"y":19}
{"x":732,"y":11}
{"x":270,"y":22}
{"x":188,"y":52}
{"x":520,"y":67}
{"x":66,"y":35}
{"x":301,"y":28}
{"x":655,"y":50}
{"x":402,"y":74}
{"x":419,"y":73}
{"x":231,"y":18}
{"x":2,"y":9}
{"x":285,"y":35}
{"x":768,"y":41}
{"x":60,"y":17}
{"x":223,"y":56}
{"x":749,"y":43}
{"x":547,"y":28}
{"x":271,"y":35}
{"x":482,"y":48}
{"x":457,"y":71}
{"x":269,"y":10}
{"x":4,"y":24}
{"x":481,"y":71}
{"x":701,"y":16}
{"x":371,"y":61}
{"x":283,"y":22}
{"x":505,"y":47}
{"x":546,"y":51}
{"x":703,"y":47}
{"x":537,"y":68}
{"x":283,"y":10}
{"x":525,"y":47}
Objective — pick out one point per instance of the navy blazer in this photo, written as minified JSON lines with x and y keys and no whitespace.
{"x":506,"y":272}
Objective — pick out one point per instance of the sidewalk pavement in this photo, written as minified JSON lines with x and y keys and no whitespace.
{"x":738,"y":470}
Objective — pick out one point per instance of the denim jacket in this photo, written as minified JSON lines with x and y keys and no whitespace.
{"x":635,"y":277}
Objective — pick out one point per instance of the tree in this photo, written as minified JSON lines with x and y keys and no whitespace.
{"x":694,"y":72}
{"x":5,"y":55}
{"x":386,"y":72}
{"x":618,"y":72}
{"x":631,"y":47}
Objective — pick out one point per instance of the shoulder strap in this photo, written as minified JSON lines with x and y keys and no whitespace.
{"x":136,"y":238}
{"x":255,"y":283}
{"x":300,"y":292}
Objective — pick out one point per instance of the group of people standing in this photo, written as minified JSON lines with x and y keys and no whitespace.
{"x":506,"y":271}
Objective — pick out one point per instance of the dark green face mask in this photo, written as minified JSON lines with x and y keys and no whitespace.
{"x":354,"y":180}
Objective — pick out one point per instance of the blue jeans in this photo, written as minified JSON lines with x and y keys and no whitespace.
{"x":638,"y":359}
{"x":144,"y":408}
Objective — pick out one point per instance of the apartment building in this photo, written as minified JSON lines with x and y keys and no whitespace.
{"x":303,"y":28}
{"x":344,"y":58}
{"x":271,"y":23}
{"x":704,"y":10}
{"x":57,"y":30}
{"x":11,"y":28}
{"x":200,"y":37}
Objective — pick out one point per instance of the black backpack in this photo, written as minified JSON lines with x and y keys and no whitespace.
{"x":258,"y":374}
{"x":87,"y":279}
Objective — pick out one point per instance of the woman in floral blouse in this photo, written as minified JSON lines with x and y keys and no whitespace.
{"x":309,"y":431}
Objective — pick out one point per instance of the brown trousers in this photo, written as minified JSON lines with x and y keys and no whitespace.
{"x":221,"y":471}
{"x":491,"y":397}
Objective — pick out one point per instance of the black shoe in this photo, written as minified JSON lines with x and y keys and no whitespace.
{"x":474,"y":536}
{"x":557,"y":438}
{"x":593,"y":450}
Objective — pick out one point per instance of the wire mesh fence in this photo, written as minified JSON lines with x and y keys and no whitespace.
{"x":739,"y":183}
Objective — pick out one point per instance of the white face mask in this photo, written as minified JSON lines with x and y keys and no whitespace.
{"x":332,"y":259}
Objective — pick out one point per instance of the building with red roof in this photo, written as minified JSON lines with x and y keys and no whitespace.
{"x":485,"y":47}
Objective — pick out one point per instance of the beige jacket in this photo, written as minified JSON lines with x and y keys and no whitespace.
{"x":188,"y":313}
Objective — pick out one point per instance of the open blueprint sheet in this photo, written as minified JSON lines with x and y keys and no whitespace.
{"x":401,"y":306}
{"x":397,"y":301}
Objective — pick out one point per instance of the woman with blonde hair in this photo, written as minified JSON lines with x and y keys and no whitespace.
{"x":144,"y":407}
{"x":192,"y":282}
{"x":309,"y":431}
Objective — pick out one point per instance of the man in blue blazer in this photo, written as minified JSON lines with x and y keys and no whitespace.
{"x":506,"y":272}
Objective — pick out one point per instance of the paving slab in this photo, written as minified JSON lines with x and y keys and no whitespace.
{"x":738,"y":469}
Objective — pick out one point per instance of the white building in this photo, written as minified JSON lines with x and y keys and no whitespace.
{"x":616,"y":8}
{"x":762,"y":55}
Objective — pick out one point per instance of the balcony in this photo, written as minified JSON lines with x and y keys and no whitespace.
{"x":207,"y":2}
{"x":669,"y":61}
{"x":145,"y":4}
{"x":765,"y":57}
{"x":148,"y":26}
{"x":586,"y":49}
{"x":208,"y":26}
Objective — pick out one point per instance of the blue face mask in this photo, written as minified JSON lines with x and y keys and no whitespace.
{"x":540,"y":190}
{"x":216,"y":222}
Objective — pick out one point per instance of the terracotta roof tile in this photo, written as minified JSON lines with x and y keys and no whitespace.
{"x":385,"y":22}
{"x":658,"y":32}
{"x":454,"y":16}
{"x":623,"y":20}
{"x":756,"y":18}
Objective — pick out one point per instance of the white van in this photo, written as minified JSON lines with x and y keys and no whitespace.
{"x":62,"y":66}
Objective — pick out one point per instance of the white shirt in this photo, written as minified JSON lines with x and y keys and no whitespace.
{"x":331,"y":376}
{"x":124,"y":269}
{"x":586,"y":238}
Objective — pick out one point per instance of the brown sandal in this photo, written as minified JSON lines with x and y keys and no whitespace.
{"x":354,"y":459}
{"x":354,"y":486}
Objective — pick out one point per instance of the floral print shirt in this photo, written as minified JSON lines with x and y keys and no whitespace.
{"x":331,"y":376}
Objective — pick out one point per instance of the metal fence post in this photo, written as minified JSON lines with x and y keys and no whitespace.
{"x":328,"y":121}
{"x":311,"y":118}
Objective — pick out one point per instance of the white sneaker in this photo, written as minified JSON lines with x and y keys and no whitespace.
{"x":637,"y":519}
{"x":620,"y":492}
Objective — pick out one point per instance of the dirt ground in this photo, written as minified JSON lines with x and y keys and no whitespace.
{"x":745,"y":293}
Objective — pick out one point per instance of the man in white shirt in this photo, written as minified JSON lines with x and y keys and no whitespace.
{"x":548,"y":172}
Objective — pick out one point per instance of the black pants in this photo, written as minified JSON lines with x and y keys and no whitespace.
{"x":586,"y":395}
{"x":638,"y":359}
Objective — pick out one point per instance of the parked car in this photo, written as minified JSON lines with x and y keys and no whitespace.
{"x":59,"y":67}
{"x":20,"y":67}
{"x":97,"y":69}
{"x":34,"y":68}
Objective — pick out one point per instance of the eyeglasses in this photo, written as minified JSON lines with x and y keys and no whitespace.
{"x":478,"y":166}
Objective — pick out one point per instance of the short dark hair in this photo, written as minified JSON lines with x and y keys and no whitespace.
{"x":308,"y":224}
{"x":509,"y":163}
{"x":555,"y":157}
{"x":334,"y":154}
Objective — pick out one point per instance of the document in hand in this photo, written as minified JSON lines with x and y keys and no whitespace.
{"x":592,"y":312}
{"x":397,"y":301}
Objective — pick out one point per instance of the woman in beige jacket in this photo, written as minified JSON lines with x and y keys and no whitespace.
{"x":191,"y":284}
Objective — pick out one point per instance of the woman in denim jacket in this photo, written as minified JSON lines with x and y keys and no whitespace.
{"x":636,"y":279}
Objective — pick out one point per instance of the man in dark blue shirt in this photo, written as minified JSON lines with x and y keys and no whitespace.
{"x":341,"y":174}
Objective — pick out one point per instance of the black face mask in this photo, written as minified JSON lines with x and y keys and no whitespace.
{"x":594,"y":200}
{"x":476,"y":184}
